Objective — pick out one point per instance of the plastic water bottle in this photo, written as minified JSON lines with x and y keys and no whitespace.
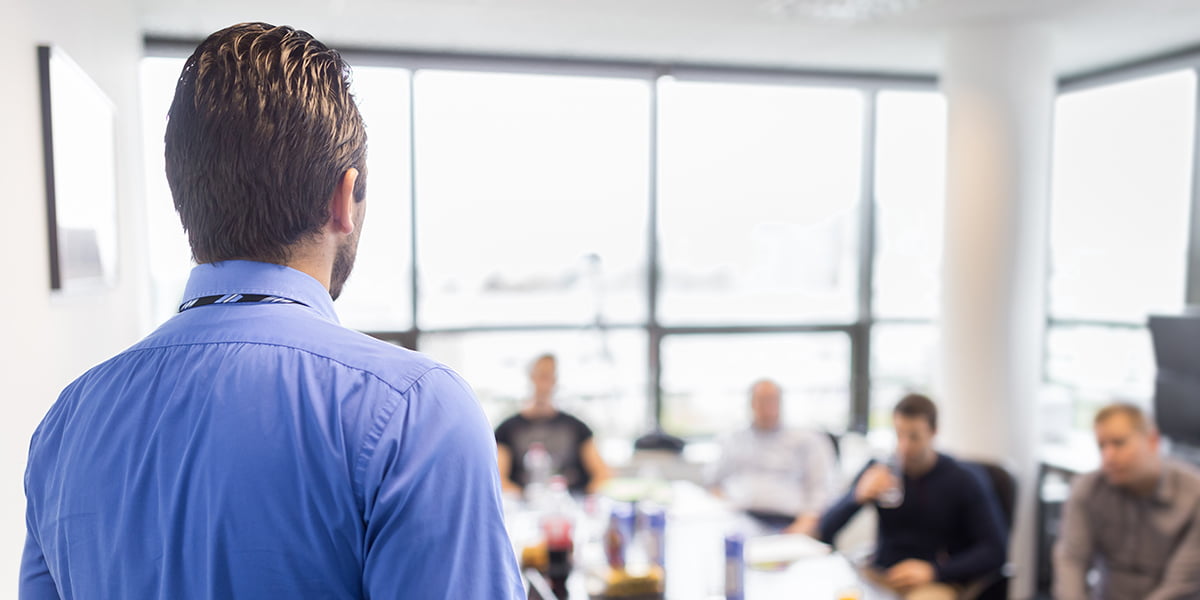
{"x":538,"y":469}
{"x":735,"y":567}
{"x":654,"y":527}
{"x":627,"y":520}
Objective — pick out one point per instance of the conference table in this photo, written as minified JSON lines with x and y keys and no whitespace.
{"x":777,"y":566}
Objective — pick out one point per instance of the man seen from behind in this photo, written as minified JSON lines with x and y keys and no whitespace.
{"x":252,"y":447}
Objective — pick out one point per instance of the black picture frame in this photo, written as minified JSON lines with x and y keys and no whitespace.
{"x":79,"y":154}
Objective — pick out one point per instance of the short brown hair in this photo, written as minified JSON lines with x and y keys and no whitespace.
{"x":917,"y":405}
{"x":261,"y":130}
{"x":1137,"y":417}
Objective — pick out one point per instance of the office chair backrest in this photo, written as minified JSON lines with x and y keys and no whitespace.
{"x":1177,"y":381}
{"x":659,"y":440}
{"x":836,"y":442}
{"x":1003,"y":484}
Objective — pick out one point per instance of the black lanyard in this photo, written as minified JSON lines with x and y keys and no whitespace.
{"x":237,"y":299}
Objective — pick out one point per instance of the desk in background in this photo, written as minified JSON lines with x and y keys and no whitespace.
{"x":697,"y":524}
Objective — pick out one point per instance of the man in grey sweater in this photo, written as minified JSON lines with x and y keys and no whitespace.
{"x":1137,"y":519}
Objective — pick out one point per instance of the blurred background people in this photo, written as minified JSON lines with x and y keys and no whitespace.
{"x":783,"y":477}
{"x":554,"y":435}
{"x":939,"y":524}
{"x":1137,"y":519}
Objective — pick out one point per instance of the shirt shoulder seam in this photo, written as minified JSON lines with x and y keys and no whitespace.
{"x":380,"y":420}
{"x":290,"y":347}
{"x":383,"y":417}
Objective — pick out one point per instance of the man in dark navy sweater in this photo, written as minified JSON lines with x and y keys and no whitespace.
{"x":946,"y":530}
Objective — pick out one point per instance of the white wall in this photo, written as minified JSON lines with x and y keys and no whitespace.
{"x":46,"y":341}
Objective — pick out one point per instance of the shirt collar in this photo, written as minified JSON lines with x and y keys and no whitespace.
{"x":249,"y":277}
{"x":1165,"y":490}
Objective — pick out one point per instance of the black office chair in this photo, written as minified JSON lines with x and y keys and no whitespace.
{"x":836,"y":442}
{"x":1004,"y":485}
{"x":659,"y":440}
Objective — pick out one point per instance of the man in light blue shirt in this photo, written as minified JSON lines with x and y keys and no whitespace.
{"x":783,"y":477}
{"x":252,"y":447}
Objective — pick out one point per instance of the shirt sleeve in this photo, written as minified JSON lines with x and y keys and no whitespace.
{"x":583,"y":433}
{"x":719,"y":470}
{"x":504,"y":432}
{"x":1181,"y":578}
{"x":1074,"y":549}
{"x":989,"y":542}
{"x":836,"y":516}
{"x":36,"y":582}
{"x":432,"y":506}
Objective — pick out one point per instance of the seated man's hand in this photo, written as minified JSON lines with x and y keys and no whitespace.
{"x":873,"y":483}
{"x":805,"y":524}
{"x":509,"y":488}
{"x":908,"y":574}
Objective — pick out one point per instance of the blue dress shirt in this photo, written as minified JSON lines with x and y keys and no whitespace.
{"x":265,"y":451}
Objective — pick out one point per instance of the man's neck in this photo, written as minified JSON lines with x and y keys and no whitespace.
{"x":539,"y":408}
{"x":312,"y":261}
{"x":1146,"y":486}
{"x":924,"y":466}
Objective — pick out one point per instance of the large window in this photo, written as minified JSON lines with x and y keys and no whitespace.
{"x":910,"y":175}
{"x":904,"y":359}
{"x":759,"y":191}
{"x":601,"y":373}
{"x":707,"y":379}
{"x":910,"y":159}
{"x":1122,"y":189}
{"x":671,"y":241}
{"x":169,"y":257}
{"x":378,"y":295}
{"x":532,"y":199}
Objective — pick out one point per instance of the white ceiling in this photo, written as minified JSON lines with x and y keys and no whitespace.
{"x":1089,"y":34}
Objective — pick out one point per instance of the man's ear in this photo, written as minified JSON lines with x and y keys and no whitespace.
{"x":341,"y":205}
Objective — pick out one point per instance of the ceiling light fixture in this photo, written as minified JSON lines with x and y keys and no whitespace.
{"x":841,"y":10}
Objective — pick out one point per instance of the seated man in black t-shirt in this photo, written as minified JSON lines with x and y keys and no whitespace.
{"x":946,"y":530}
{"x":567,"y":440}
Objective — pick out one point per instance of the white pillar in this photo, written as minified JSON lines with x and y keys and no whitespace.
{"x":999,"y":85}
